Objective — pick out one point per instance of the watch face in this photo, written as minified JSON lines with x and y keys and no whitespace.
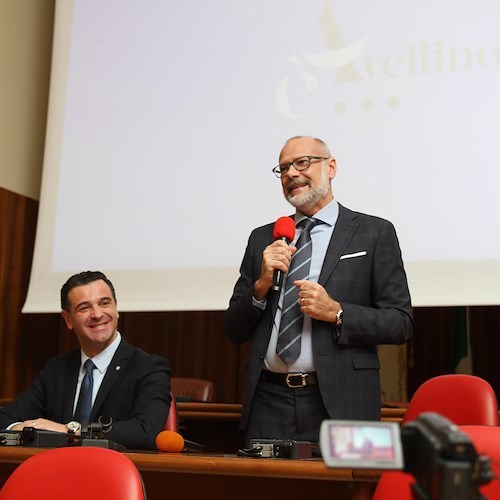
{"x":73,"y":427}
{"x":340,"y":317}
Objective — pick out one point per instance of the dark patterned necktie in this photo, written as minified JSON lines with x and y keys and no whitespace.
{"x":84,"y":405}
{"x":290,"y":330}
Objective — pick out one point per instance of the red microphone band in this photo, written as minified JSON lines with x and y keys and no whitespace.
{"x":284,"y":227}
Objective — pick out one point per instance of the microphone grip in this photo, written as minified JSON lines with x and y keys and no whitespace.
{"x":277,"y":280}
{"x":278,"y":274}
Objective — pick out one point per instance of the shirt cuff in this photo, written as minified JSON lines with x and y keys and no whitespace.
{"x":259,"y":304}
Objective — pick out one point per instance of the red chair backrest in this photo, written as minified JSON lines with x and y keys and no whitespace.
{"x":394,"y":485}
{"x":486,"y":441}
{"x":172,"y":423}
{"x":463,"y":399}
{"x":192,"y":389}
{"x":79,"y":473}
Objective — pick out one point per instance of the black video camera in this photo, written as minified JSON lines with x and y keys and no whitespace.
{"x":443,"y":460}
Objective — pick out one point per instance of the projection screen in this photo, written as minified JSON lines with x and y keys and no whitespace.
{"x":166,"y":118}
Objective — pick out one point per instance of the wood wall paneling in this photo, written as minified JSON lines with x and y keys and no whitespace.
{"x":193,"y":342}
{"x":21,"y":346}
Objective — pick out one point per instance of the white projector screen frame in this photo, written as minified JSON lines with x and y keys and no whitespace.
{"x":165,"y":120}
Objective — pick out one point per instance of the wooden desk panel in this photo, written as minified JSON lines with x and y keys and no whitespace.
{"x":216,"y":425}
{"x":231,"y":465}
{"x":232,"y":412}
{"x":226,"y":477}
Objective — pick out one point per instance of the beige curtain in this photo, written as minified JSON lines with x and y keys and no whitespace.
{"x":393,"y":373}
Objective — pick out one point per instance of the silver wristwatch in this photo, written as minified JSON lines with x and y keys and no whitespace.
{"x":340,"y":317}
{"x":73,"y":427}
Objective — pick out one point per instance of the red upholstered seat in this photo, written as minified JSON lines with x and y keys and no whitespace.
{"x":462,"y":399}
{"x":78,"y":473}
{"x":486,"y":441}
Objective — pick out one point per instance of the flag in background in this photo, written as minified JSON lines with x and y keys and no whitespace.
{"x":460,"y":355}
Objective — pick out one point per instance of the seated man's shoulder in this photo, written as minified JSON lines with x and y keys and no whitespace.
{"x":62,"y":361}
{"x":142,"y":358}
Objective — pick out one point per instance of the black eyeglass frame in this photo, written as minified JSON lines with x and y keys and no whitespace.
{"x":283,"y":168}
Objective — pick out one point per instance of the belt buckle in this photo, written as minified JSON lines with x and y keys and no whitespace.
{"x":293,"y":385}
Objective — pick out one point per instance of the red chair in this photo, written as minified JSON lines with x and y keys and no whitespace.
{"x":192,"y":389}
{"x":172,"y":423}
{"x":394,"y":486}
{"x":78,"y":473}
{"x":486,"y":441}
{"x":462,"y":399}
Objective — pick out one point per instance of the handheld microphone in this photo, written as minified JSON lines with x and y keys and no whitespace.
{"x":284,"y":229}
{"x":173,"y":442}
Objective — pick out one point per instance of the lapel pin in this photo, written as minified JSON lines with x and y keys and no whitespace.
{"x":118,"y":367}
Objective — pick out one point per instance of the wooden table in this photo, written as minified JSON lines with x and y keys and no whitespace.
{"x":220,"y":474}
{"x":215,"y":425}
{"x":224,"y":477}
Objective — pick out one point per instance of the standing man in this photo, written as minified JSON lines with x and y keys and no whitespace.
{"x":106,"y":377}
{"x":313,"y":353}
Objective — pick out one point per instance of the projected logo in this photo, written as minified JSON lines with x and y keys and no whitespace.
{"x":360,"y":82}
{"x":298,"y":85}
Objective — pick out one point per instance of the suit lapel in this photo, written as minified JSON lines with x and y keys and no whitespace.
{"x":115,"y":369}
{"x":70,"y":386}
{"x":345,"y":227}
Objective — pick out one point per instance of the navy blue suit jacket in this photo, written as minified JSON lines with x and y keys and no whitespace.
{"x":363,"y":270}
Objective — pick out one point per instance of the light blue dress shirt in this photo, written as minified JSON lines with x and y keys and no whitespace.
{"x":320,"y":237}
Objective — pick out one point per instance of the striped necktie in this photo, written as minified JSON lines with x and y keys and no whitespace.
{"x":290,"y":330}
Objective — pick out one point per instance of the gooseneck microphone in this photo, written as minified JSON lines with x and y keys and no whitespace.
{"x":284,"y":229}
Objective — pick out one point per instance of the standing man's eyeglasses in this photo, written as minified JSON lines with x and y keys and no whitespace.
{"x":299,"y":164}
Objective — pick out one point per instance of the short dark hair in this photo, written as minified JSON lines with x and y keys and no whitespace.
{"x":83,"y":278}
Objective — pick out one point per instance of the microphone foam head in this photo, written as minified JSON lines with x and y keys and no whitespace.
{"x":284,"y":227}
{"x":170,"y":441}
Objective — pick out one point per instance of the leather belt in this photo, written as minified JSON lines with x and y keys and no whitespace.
{"x":292,"y":380}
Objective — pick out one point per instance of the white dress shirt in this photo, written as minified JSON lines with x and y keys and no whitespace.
{"x":101,"y":362}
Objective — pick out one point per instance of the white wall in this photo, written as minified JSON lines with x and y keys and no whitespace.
{"x":25,"y":51}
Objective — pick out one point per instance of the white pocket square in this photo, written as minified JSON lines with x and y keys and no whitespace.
{"x":351,"y":255}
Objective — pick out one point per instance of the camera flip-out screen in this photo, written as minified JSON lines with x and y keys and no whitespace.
{"x":361,"y":444}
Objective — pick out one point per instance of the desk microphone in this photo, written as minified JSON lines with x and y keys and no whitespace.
{"x":284,"y":229}
{"x":173,"y":442}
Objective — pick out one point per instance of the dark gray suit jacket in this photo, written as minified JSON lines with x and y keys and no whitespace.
{"x":373,"y":290}
{"x":135,"y":392}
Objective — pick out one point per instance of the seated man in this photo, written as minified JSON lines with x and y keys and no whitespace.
{"x":120,"y":381}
